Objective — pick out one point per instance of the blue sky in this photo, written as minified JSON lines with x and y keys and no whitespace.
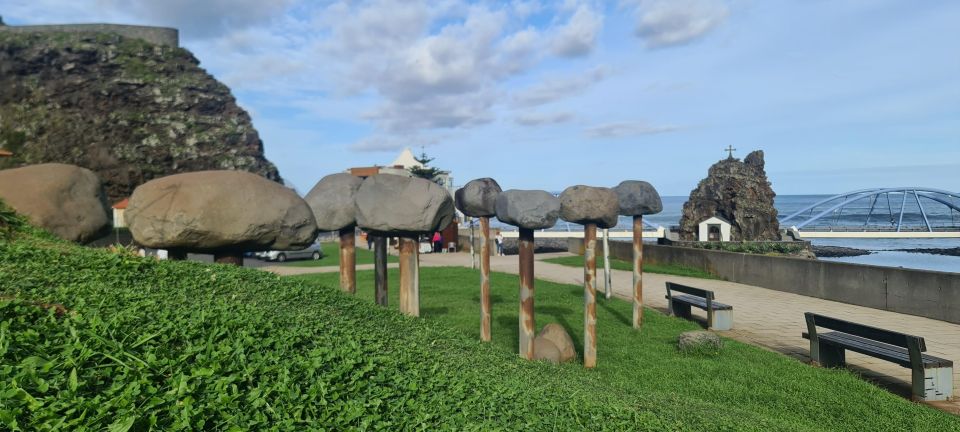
{"x":840,"y":94}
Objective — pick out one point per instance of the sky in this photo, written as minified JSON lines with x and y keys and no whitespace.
{"x":839,"y":94}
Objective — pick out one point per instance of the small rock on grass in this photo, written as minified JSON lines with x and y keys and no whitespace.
{"x":699,"y":342}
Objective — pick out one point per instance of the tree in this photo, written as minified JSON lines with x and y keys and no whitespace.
{"x":425,"y":172}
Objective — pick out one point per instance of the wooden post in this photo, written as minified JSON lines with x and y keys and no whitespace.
{"x":590,"y":295}
{"x":348,"y":260}
{"x":409,"y":276}
{"x":637,"y":271}
{"x":380,"y":269}
{"x":484,"y":278}
{"x":528,"y":327}
{"x":224,"y":257}
{"x":607,"y":277}
{"x":473,"y":253}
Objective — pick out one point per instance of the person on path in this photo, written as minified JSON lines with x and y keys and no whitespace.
{"x":437,"y":242}
{"x":499,"y":240}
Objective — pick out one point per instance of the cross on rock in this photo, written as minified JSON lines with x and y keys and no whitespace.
{"x":731,"y":150}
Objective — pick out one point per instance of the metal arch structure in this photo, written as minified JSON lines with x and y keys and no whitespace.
{"x":838,"y":202}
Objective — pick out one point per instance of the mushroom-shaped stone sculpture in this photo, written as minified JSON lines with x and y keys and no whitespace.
{"x":528,"y":210}
{"x":64,"y":199}
{"x":331,"y":200}
{"x":224,"y":213}
{"x":478,"y":198}
{"x":397,"y":206}
{"x":590,"y":207}
{"x":638,"y":198}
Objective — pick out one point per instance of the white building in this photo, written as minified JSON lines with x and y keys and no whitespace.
{"x":401,"y":166}
{"x":715,"y":228}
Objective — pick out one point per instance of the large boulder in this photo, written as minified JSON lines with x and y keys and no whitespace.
{"x":529,"y":209}
{"x":396,"y":205}
{"x":585,"y":204}
{"x":211,"y":211}
{"x":554,"y":344}
{"x":66,"y":200}
{"x":638,"y":198}
{"x":478,"y":198}
{"x":331,"y":200}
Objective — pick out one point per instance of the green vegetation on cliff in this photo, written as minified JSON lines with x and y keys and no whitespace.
{"x":129,"y":110}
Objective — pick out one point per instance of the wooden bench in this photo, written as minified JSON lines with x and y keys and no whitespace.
{"x":932,"y":376}
{"x":719,"y":315}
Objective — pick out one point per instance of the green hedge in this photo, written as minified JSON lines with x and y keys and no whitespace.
{"x":94,"y":340}
{"x":751,"y":247}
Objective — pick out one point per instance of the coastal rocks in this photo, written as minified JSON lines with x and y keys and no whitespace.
{"x":738,"y":192}
{"x":585,"y":204}
{"x":638,"y":198}
{"x":478,"y":198}
{"x":397,"y":205}
{"x":332,"y":201}
{"x":837,"y":251}
{"x":126,"y":109}
{"x":64,"y":199}
{"x":699,"y":341}
{"x":211,"y":211}
{"x":554,"y":344}
{"x":528,"y":209}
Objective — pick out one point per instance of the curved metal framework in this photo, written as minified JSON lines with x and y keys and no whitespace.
{"x":836,"y":204}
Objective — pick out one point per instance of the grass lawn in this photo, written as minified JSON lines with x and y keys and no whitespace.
{"x":331,"y":256}
{"x":743,"y":387}
{"x":616,"y":264}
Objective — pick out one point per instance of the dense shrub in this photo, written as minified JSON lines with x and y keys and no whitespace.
{"x":752,"y":247}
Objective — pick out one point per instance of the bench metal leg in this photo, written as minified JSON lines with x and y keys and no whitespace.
{"x":681,"y":310}
{"x":934,"y":384}
{"x":832,"y":356}
{"x":722,"y":320}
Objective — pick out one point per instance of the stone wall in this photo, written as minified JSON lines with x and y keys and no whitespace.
{"x":154,"y":35}
{"x":923,"y":293}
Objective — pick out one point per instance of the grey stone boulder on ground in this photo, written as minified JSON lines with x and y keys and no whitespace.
{"x":556,"y":343}
{"x":331,"y":200}
{"x":478,"y":198}
{"x":638,"y":198}
{"x":585,"y":204}
{"x":66,"y":200}
{"x":699,"y":342}
{"x":219,"y":211}
{"x":398,"y":205}
{"x":530,"y":209}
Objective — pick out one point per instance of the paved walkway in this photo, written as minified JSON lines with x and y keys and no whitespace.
{"x":763,"y":317}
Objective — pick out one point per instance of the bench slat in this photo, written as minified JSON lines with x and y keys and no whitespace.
{"x":701,"y":302}
{"x":891,"y":353}
{"x":874,"y":333}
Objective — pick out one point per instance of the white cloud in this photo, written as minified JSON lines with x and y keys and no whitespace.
{"x":578,"y":37}
{"x":663,"y":23}
{"x":557,"y":88}
{"x":623,"y":129}
{"x":540,"y":119}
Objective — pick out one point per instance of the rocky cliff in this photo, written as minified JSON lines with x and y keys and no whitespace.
{"x":129,"y":110}
{"x":738,"y":192}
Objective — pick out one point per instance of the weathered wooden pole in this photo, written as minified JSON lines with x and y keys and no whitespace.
{"x":485,"y":279}
{"x":637,"y":271}
{"x":380,"y":269}
{"x":473,"y":253}
{"x":607,"y":277}
{"x":228,"y":257}
{"x":409,"y":275}
{"x":348,"y":260}
{"x":589,"y":295}
{"x":528,"y":326}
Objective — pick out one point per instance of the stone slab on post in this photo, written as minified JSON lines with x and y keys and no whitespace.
{"x":348,"y":260}
{"x":484,"y":278}
{"x":231,"y":258}
{"x":637,"y":271}
{"x":528,"y":326}
{"x":409,"y":276}
{"x":589,"y":295}
{"x":380,"y":269}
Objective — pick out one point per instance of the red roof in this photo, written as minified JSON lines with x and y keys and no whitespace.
{"x":122,"y":204}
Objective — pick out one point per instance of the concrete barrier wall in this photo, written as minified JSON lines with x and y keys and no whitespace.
{"x":154,"y":35}
{"x":916,"y":292}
